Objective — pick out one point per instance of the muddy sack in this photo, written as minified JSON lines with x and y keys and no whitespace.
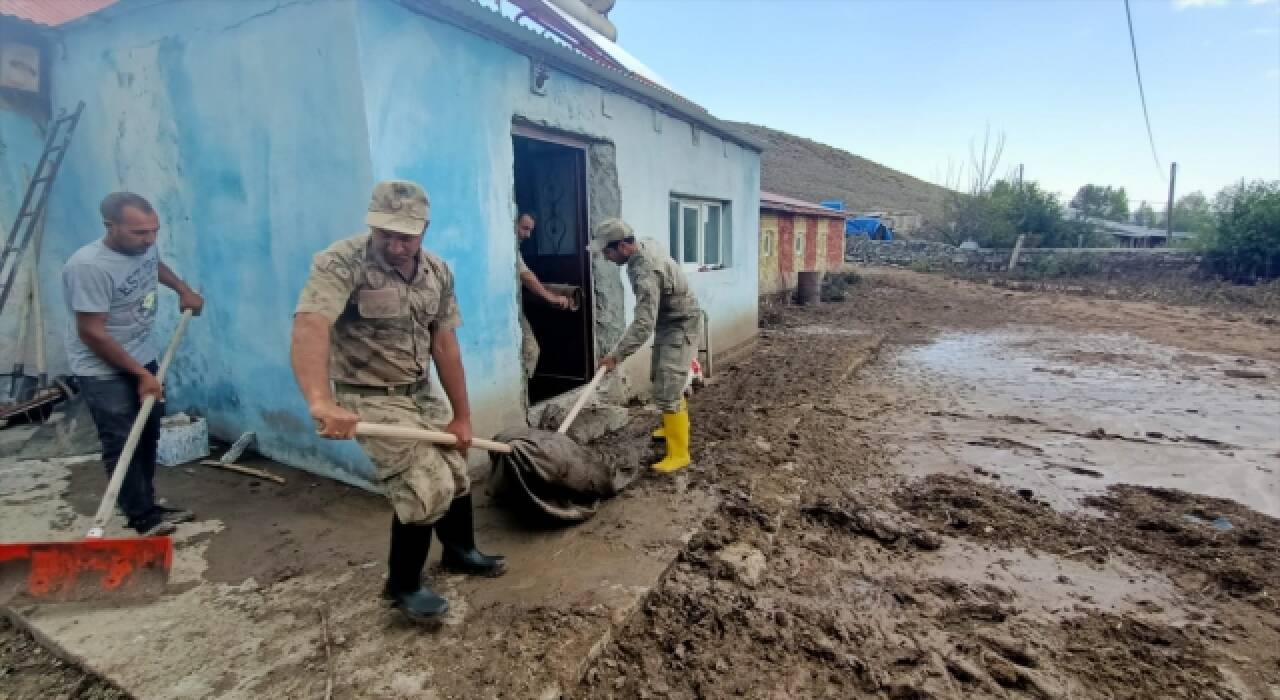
{"x":550,"y":474}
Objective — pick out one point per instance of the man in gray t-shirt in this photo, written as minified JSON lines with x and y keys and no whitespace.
{"x":110,"y":289}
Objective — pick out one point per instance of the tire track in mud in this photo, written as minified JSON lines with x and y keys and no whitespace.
{"x":816,"y":576}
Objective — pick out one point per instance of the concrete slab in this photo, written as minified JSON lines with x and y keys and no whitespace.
{"x":259,"y":579}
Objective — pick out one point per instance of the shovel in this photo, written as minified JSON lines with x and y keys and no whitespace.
{"x":95,"y":567}
{"x":438,"y":437}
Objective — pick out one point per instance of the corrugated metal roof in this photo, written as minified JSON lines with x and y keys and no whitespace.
{"x":777,"y":202}
{"x":51,"y":13}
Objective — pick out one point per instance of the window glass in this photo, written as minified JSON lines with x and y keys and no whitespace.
{"x":711,"y":237}
{"x":675,"y":230}
{"x":691,"y":217}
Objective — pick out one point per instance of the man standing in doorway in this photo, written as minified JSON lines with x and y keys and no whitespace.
{"x":110,"y":288}
{"x":375,"y":312}
{"x":529,"y":350}
{"x":667,"y":308}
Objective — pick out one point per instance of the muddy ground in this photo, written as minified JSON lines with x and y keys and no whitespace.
{"x":937,"y":489}
{"x":848,"y":560}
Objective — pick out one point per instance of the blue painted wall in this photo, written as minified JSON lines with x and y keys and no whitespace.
{"x":21,"y":140}
{"x":257,"y":129}
{"x":444,"y":118}
{"x":244,"y":126}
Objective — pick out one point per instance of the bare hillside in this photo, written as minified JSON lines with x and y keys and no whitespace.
{"x":798,"y":167}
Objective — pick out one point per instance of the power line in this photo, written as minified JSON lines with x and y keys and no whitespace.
{"x":1133,"y":44}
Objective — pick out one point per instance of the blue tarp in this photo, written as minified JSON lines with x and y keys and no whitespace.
{"x":868,"y":226}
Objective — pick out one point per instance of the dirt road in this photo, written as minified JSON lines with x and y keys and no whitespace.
{"x":939,"y":489}
{"x":945,"y":516}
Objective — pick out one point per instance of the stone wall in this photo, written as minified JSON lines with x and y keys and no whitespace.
{"x":1051,"y":262}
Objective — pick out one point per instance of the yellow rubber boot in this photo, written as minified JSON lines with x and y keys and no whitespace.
{"x":661,"y":432}
{"x":677,"y":429}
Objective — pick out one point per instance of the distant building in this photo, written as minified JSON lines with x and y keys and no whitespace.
{"x":901,"y":223}
{"x":869,"y":226}
{"x":1135,"y":236}
{"x":796,"y":236}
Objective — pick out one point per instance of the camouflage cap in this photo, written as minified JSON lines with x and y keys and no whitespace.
{"x":609,"y":231}
{"x":400,"y":206}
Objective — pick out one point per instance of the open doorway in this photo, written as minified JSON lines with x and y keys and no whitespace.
{"x":550,"y":179}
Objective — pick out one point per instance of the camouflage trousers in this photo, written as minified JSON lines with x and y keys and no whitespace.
{"x":419,"y":478}
{"x":674,"y":346}
{"x":529,"y":349}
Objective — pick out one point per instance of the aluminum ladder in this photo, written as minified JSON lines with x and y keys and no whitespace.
{"x":33,"y":202}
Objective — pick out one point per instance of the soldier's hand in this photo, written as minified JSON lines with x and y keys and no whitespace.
{"x":562,"y":302}
{"x":333,"y":421}
{"x":461,"y":429}
{"x":609,"y":362}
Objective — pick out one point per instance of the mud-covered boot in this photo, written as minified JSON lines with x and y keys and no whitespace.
{"x":422,"y":605}
{"x":458,"y":538}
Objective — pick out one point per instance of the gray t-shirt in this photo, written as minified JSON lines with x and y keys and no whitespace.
{"x":97,"y":279}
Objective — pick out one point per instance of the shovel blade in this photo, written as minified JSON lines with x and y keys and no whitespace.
{"x":85,"y":570}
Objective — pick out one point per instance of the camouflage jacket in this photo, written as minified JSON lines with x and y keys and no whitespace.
{"x":382,"y":325}
{"x":665,"y":306}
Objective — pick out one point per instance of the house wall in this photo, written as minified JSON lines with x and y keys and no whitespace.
{"x":22,"y":124}
{"x":243,"y":123}
{"x":786,"y":251}
{"x":21,"y":140}
{"x":258,"y":128}
{"x":770,"y":273}
{"x":823,"y":250}
{"x":455,"y":103}
{"x":835,"y":244}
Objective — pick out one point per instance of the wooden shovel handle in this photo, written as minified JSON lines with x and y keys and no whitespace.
{"x":583,"y":398}
{"x":399,"y":432}
{"x":135,"y":434}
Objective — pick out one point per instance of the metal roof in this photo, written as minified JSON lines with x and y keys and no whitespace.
{"x":1123,"y":230}
{"x":51,"y":13}
{"x":776,"y":202}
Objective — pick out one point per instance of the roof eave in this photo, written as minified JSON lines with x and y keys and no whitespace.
{"x":474,"y":18}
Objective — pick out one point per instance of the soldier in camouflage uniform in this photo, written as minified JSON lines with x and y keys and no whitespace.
{"x":667,"y":308}
{"x":529,"y":349}
{"x":376,"y":310}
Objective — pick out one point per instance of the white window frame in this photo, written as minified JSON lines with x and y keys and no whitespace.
{"x":799,"y":236}
{"x":703,"y":207}
{"x":766,"y":247}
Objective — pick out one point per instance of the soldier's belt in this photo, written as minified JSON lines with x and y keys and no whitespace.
{"x":367,"y":390}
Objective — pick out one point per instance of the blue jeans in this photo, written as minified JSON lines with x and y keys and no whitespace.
{"x":113,"y":402}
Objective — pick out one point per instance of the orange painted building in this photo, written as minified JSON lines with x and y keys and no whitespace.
{"x":796,"y":236}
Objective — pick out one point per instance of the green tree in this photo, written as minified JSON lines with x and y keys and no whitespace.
{"x":1099,"y":202}
{"x":1244,"y":243}
{"x":995,"y":219}
{"x":1192,"y":212}
{"x":1090,"y":200}
{"x":1117,"y":205}
{"x":1144,"y":215}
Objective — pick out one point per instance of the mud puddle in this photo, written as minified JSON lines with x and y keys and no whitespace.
{"x":1067,"y":414}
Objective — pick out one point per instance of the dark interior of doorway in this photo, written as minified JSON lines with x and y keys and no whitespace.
{"x":551,"y":183}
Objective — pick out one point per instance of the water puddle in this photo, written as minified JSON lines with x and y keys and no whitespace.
{"x":1066,"y":414}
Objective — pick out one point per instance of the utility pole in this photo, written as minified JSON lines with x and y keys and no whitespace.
{"x":1168,"y":214}
{"x":1019,"y":177}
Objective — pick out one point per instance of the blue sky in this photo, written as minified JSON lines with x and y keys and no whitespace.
{"x":909,"y":83}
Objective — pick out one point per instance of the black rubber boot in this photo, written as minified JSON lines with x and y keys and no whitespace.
{"x":409,"y":547}
{"x":458,"y":538}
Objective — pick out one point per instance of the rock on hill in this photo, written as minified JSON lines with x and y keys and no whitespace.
{"x":798,"y":167}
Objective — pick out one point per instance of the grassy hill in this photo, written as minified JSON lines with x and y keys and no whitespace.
{"x":798,"y":167}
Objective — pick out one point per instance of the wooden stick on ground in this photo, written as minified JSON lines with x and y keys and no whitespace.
{"x":328,"y":656}
{"x":248,"y":471}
